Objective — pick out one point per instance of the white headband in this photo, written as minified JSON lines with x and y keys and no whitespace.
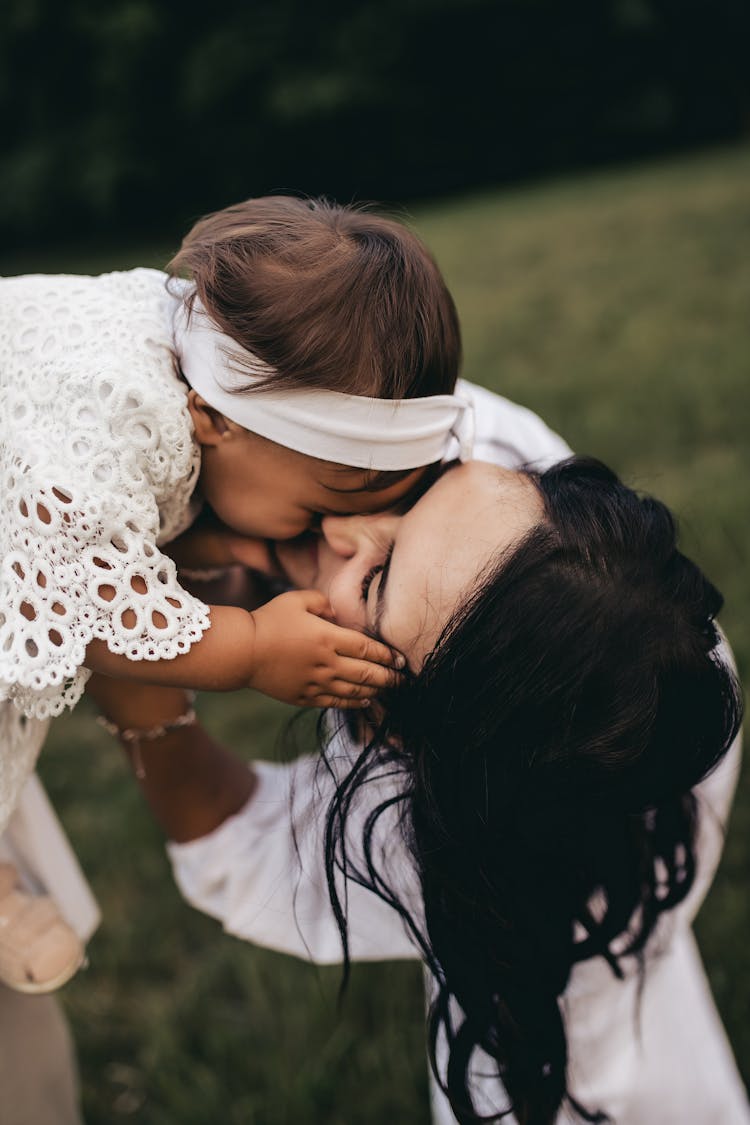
{"x":366,"y":433}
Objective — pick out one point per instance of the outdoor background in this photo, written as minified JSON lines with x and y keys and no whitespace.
{"x":582,"y":174}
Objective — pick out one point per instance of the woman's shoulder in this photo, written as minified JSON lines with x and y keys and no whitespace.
{"x":509,"y":434}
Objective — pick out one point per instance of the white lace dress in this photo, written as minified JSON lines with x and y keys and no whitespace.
{"x":98,"y":465}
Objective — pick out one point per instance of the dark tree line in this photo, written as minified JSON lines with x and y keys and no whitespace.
{"x":125,"y":114}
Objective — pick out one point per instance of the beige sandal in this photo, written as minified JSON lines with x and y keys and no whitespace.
{"x":39,"y":951}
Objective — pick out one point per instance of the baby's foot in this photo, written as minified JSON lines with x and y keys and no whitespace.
{"x":39,"y":951}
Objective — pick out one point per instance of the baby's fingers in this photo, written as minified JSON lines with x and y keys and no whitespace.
{"x":362,"y":648}
{"x":340,"y":702}
{"x":364,"y":678}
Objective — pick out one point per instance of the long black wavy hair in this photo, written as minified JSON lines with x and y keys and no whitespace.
{"x":548,"y":747}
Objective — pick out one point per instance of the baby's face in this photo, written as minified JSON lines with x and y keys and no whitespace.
{"x":259,"y":488}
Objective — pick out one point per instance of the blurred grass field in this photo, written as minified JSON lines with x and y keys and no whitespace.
{"x":617,"y":306}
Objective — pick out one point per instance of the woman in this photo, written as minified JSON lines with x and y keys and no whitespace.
{"x":519,"y":814}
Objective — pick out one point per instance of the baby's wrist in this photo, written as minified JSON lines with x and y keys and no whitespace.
{"x":256,"y":649}
{"x":234,"y":649}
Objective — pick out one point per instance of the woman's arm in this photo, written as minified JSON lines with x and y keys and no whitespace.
{"x":191,"y":783}
{"x":249,"y":844}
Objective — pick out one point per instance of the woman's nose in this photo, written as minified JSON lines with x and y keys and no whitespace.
{"x":348,"y":536}
{"x":343,"y":534}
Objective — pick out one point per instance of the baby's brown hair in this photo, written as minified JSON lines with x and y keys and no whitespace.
{"x":331,"y":297}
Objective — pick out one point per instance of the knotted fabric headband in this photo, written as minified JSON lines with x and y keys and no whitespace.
{"x":366,"y":433}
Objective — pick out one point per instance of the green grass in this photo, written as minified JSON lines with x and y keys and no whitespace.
{"x":616,"y":305}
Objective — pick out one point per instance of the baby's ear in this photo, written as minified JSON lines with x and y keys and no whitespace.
{"x":210,"y":425}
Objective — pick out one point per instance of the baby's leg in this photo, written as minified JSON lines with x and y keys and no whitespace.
{"x":38,"y":1075}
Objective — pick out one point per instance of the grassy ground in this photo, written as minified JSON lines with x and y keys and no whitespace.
{"x":616,"y":306}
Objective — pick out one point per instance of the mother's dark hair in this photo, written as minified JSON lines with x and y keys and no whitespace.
{"x":549,"y":746}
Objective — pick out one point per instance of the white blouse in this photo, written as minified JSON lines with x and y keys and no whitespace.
{"x":98,"y":465}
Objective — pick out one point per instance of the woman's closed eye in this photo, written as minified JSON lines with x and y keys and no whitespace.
{"x":375,"y":613}
{"x":368,"y":579}
{"x":379,"y":568}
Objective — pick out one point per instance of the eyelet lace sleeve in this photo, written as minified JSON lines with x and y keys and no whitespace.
{"x":80,"y":565}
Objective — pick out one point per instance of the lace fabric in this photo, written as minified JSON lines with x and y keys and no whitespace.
{"x":97,"y":468}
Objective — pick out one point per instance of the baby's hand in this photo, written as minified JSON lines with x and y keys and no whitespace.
{"x":303,"y":659}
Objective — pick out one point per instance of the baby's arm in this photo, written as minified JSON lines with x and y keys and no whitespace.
{"x":286,"y":649}
{"x":209,"y":543}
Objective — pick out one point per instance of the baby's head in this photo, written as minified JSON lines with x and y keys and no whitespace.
{"x":303,"y":298}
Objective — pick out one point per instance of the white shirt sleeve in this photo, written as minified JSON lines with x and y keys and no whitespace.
{"x":262,"y":872}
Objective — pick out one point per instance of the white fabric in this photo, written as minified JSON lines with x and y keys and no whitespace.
{"x":366,"y":433}
{"x":97,"y":467}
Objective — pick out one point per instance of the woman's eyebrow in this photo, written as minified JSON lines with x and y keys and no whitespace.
{"x":380,"y":595}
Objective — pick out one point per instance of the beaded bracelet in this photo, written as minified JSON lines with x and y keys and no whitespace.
{"x":132,"y":737}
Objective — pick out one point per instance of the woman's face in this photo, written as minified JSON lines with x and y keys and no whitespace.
{"x":402,"y":576}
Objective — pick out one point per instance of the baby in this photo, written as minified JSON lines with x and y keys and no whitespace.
{"x":306,"y":366}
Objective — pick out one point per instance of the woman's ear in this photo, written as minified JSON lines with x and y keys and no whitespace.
{"x":210,"y":425}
